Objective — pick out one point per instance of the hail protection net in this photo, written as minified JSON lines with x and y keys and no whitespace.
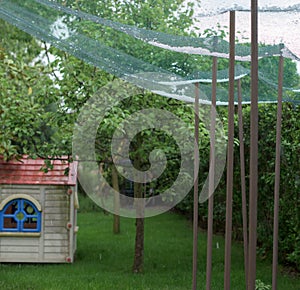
{"x":166,"y":64}
{"x":115,"y":47}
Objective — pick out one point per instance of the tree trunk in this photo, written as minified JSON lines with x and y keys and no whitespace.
{"x":139,"y":246}
{"x":139,"y":234}
{"x":115,"y":184}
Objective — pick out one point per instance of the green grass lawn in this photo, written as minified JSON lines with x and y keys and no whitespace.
{"x":104,"y":260}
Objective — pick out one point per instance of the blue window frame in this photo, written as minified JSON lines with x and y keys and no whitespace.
{"x":20,"y":215}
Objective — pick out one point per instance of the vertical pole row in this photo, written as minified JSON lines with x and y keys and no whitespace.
{"x":253,"y":190}
{"x":243,"y":180}
{"x":277,"y":175}
{"x":211,"y":174}
{"x":229,"y":189}
{"x":196,"y":166}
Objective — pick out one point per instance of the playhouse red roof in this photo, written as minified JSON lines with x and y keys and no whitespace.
{"x":30,"y":171}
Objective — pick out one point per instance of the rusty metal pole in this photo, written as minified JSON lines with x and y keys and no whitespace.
{"x":229,"y":187}
{"x":277,"y":175}
{"x":196,"y":198}
{"x":211,"y":174}
{"x":253,"y":192}
{"x":243,"y":180}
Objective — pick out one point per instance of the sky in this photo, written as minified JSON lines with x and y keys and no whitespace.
{"x":273,"y":27}
{"x":209,"y":7}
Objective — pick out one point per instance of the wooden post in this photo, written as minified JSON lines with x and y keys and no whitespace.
{"x":196,"y":197}
{"x":229,"y":187}
{"x":277,"y":176}
{"x":253,"y":191}
{"x":211,"y":174}
{"x":243,"y":180}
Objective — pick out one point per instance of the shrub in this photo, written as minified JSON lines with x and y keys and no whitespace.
{"x":289,"y":215}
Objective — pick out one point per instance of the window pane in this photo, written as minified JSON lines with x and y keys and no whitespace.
{"x":29,"y":209}
{"x":12,"y":208}
{"x":31,"y":216}
{"x":9,"y":223}
{"x":30,"y":223}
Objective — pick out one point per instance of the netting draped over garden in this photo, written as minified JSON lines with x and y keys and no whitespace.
{"x":170,"y":65}
{"x":96,"y":40}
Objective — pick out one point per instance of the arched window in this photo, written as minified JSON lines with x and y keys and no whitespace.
{"x":20,"y":215}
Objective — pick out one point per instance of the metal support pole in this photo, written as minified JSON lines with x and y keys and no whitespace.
{"x":243,"y":179}
{"x":196,"y":198}
{"x":211,"y":174}
{"x":229,"y":189}
{"x":277,"y":175}
{"x":253,"y":149}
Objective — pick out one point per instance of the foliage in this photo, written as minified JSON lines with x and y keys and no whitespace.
{"x":23,"y":112}
{"x":260,"y":285}
{"x":289,"y":185}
